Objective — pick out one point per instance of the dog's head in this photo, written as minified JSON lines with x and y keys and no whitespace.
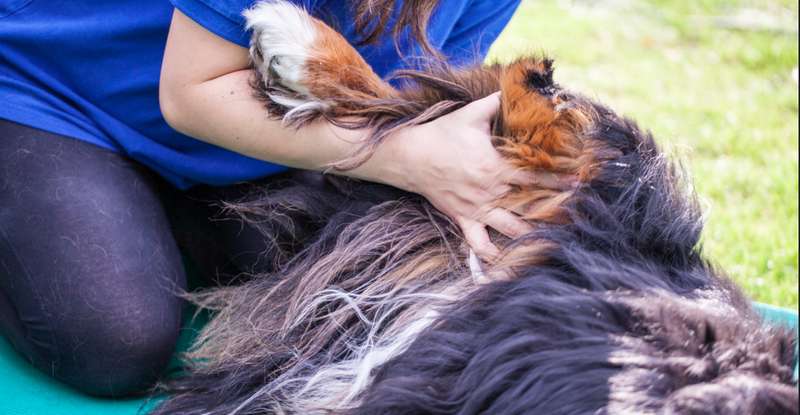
{"x":611,"y":308}
{"x":594,"y":172}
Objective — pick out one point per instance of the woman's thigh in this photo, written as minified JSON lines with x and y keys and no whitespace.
{"x":89,"y":270}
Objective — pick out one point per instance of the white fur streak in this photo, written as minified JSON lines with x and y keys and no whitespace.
{"x":338,"y":386}
{"x":298,"y":106}
{"x":285,"y":35}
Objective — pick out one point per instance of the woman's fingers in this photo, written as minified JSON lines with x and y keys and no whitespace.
{"x":478,"y":239}
{"x":497,"y":192}
{"x":506,"y":223}
{"x":484,"y":109}
{"x":499,"y":219}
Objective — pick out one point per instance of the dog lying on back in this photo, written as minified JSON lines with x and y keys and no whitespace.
{"x":376,"y":306}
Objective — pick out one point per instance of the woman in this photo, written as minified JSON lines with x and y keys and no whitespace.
{"x":89,"y":264}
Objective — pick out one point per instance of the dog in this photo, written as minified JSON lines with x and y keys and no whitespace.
{"x":375,"y":305}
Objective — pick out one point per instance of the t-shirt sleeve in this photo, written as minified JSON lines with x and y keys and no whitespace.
{"x":476,"y":30}
{"x":224,"y":17}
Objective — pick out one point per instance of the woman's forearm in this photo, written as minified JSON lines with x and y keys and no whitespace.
{"x":223,"y":111}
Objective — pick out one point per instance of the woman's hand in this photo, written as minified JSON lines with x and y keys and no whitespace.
{"x":452,"y":162}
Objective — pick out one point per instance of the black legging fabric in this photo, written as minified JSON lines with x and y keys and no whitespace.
{"x":89,"y":263}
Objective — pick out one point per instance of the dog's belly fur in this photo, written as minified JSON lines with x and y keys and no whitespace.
{"x":607,"y":306}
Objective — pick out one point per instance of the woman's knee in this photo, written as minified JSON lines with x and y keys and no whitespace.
{"x":117,"y":356}
{"x":91,"y":269}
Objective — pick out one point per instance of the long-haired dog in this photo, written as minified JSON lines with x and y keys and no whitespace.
{"x":376,"y":306}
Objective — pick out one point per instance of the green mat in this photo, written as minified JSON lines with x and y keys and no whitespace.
{"x":26,"y":391}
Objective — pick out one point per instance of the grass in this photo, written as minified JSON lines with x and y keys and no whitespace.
{"x":716,"y":82}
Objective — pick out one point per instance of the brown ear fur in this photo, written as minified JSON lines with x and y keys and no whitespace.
{"x":543,"y":131}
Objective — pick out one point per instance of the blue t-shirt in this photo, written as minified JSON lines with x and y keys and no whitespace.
{"x":89,"y":70}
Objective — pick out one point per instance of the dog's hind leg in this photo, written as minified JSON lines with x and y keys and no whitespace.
{"x":306,"y":69}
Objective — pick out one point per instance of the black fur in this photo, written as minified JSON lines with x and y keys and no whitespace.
{"x":626,"y":279}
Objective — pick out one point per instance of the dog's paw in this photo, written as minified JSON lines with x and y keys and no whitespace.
{"x":283,"y":37}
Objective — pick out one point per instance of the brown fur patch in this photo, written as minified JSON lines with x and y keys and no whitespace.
{"x":543,"y":131}
{"x":337,"y":72}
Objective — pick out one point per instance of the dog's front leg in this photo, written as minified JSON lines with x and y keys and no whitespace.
{"x":305,"y":69}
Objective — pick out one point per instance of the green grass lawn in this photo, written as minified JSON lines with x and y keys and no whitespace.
{"x":716,"y":82}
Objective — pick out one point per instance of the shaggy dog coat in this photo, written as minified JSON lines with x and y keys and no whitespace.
{"x":375,"y":306}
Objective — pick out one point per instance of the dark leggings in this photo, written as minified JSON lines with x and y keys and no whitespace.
{"x":89,"y":263}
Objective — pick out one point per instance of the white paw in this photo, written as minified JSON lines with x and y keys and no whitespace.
{"x":283,"y":35}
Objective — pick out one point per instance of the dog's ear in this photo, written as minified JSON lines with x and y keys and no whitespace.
{"x":539,"y":126}
{"x":540,"y":133}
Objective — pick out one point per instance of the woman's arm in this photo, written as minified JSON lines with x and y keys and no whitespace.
{"x":205,"y":93}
